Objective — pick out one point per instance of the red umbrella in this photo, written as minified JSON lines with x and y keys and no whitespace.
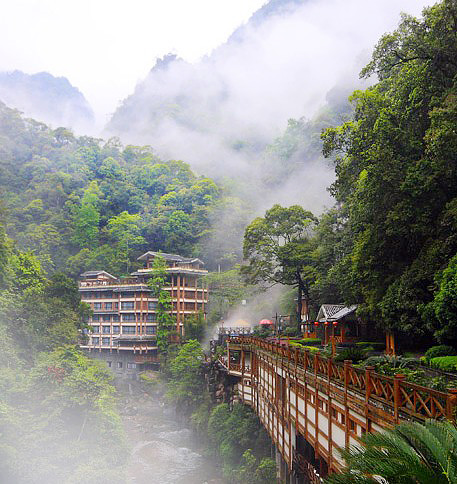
{"x":266,"y":322}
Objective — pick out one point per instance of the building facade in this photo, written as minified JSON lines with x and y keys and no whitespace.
{"x":124,"y":320}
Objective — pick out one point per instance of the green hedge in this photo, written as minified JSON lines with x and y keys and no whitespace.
{"x":444,"y":363}
{"x":371,"y":344}
{"x":309,"y":341}
{"x":441,"y":350}
{"x":295,"y":344}
{"x":311,"y":349}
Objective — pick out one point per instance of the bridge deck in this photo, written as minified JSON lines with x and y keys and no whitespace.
{"x":302,"y":395}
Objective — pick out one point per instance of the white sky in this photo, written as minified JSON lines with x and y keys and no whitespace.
{"x":105,"y":46}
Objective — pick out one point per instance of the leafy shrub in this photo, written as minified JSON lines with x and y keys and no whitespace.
{"x":444,"y":363}
{"x":396,"y":363}
{"x":391,"y":365}
{"x":441,"y":350}
{"x":294,"y":344}
{"x":374,"y":361}
{"x":355,"y":354}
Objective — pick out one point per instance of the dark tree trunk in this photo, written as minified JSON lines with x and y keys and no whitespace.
{"x":302,"y":291}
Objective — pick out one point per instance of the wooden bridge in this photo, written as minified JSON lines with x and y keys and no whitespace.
{"x":312,"y":405}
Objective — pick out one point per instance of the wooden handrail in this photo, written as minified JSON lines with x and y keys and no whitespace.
{"x":403,"y":397}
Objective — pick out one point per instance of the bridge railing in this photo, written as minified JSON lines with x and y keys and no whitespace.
{"x":396,"y":396}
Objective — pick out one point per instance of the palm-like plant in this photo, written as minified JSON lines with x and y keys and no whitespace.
{"x":410,"y":453}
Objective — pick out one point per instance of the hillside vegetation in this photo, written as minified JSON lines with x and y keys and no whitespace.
{"x":83,"y":203}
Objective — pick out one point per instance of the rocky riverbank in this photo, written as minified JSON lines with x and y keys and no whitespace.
{"x":163,"y":449}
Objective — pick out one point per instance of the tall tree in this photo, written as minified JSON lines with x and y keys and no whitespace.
{"x":125,"y":230}
{"x":87,"y":217}
{"x":279,"y":249}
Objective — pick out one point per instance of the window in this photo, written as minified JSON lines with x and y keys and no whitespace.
{"x":128,"y":317}
{"x":127,"y":305}
{"x":106,"y":329}
{"x":109,"y":363}
{"x":152,"y":304}
{"x":116,"y":317}
{"x":119,"y":364}
{"x":150,"y":330}
{"x":106,"y":318}
{"x":95,"y":329}
{"x":131,"y":365}
{"x":151,"y":318}
{"x":105,"y":341}
{"x":116,"y":305}
{"x":97,"y":305}
{"x":115,"y":329}
{"x":128,"y":329}
{"x":128,"y":294}
{"x":95,"y":341}
{"x":108,"y":305}
{"x":96,"y":317}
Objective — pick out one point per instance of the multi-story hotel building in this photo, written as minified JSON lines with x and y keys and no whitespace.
{"x":124,"y":320}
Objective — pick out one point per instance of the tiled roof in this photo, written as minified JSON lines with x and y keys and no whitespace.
{"x":334,"y":312}
{"x":173,"y":257}
{"x":97,"y":273}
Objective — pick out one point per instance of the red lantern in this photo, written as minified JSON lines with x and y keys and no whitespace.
{"x":326,"y":323}
{"x":335,"y":323}
{"x":316,"y":323}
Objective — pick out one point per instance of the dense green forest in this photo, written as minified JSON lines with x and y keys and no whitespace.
{"x":81,"y":203}
{"x":389,"y":244}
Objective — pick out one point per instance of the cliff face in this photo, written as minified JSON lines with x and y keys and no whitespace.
{"x":53,"y":100}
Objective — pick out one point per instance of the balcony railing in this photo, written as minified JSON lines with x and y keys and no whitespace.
{"x":140,"y":359}
{"x":121,"y":282}
{"x":397,"y":397}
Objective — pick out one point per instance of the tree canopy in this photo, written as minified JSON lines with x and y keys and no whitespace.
{"x":278,"y":249}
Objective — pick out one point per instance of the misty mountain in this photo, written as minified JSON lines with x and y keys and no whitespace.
{"x":53,"y":100}
{"x":228,"y":114}
{"x":202,"y":104}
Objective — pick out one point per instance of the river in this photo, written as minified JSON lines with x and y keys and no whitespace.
{"x":162,"y":449}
